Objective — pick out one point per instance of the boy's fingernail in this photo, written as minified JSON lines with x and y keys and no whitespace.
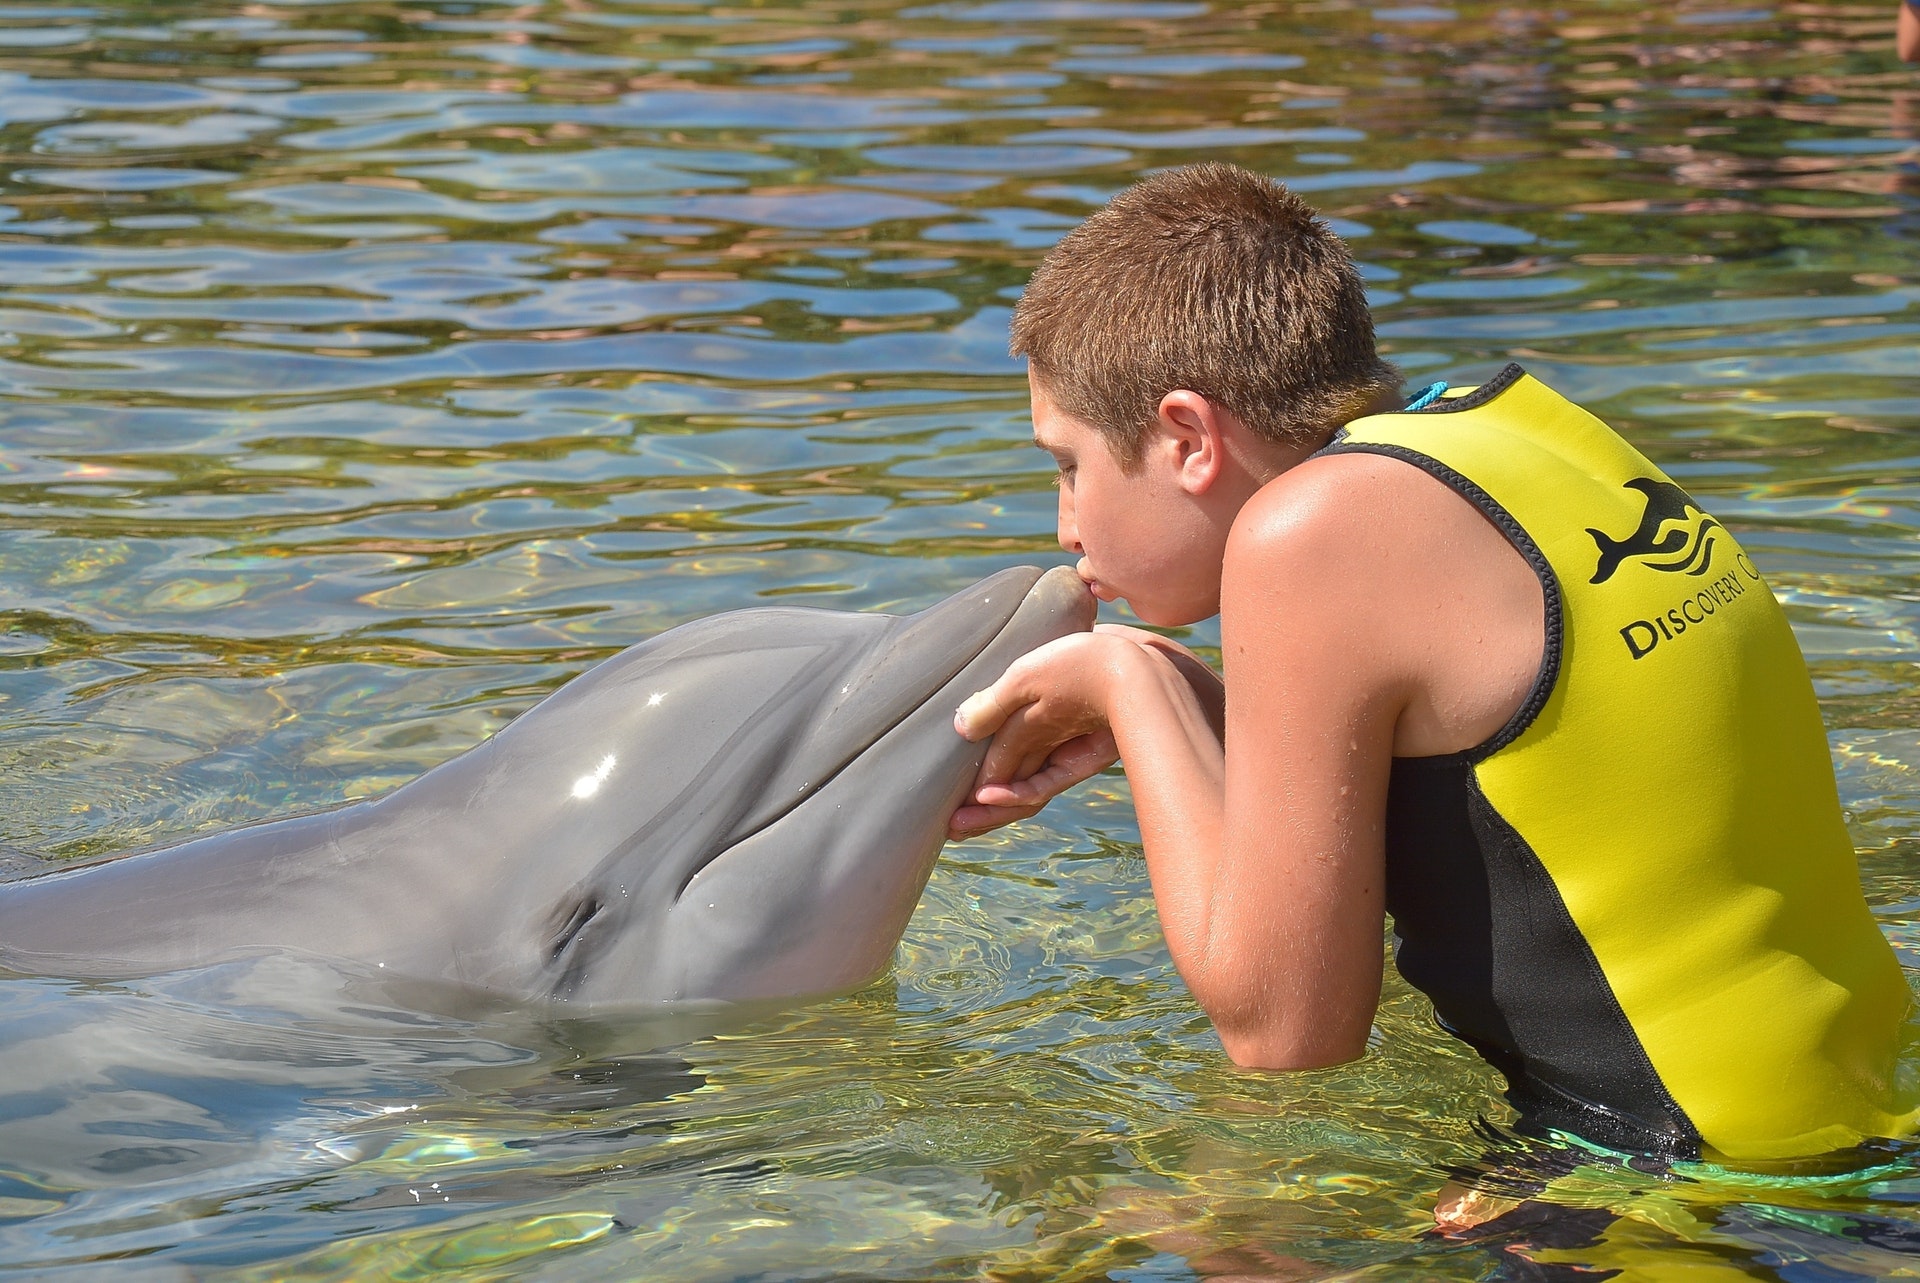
{"x":963,"y":715}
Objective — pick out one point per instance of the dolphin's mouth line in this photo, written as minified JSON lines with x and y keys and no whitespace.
{"x":814,"y":787}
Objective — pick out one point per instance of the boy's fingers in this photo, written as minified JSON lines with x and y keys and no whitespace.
{"x":1008,"y":752}
{"x":985,"y":711}
{"x":1042,"y":785}
{"x":1033,"y":759}
{"x":1086,"y":757}
{"x":1039,"y":781}
{"x":980,"y":714}
{"x":972,"y":821}
{"x":1027,"y":792}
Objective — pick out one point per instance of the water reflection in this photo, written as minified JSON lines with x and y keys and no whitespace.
{"x":370,"y":371}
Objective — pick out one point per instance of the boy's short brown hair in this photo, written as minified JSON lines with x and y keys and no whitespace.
{"x":1212,"y":279}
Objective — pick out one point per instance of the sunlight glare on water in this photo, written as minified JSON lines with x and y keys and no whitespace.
{"x":369,"y":370}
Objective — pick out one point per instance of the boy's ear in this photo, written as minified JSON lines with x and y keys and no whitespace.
{"x":1192,"y":434}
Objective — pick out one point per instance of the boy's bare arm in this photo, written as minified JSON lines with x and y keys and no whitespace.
{"x":1274,"y":916}
{"x":1906,"y":33}
{"x":1274,"y":920}
{"x":1014,"y":784}
{"x":1290,"y":948}
{"x":1347,"y":637}
{"x":1207,"y":686}
{"x":1367,"y":611}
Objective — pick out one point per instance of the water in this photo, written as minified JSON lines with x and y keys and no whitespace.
{"x":370,"y":370}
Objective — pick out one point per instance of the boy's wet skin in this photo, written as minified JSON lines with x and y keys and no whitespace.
{"x":1413,"y":636}
{"x":1661,"y":945}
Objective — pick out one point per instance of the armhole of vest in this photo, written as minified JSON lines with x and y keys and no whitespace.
{"x":1555,"y":621}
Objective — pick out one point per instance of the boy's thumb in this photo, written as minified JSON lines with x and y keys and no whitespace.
{"x":979,"y":715}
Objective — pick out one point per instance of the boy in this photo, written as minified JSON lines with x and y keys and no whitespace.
{"x":1486,"y":669}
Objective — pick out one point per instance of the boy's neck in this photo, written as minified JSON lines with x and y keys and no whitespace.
{"x":1385,"y":403}
{"x":1283,"y":458}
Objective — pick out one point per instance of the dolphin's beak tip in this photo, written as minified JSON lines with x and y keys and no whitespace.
{"x":1072,"y":591}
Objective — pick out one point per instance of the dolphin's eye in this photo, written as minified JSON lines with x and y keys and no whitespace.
{"x":583,"y":913}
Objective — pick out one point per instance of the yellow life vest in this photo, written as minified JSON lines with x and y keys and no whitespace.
{"x":1639,"y":899}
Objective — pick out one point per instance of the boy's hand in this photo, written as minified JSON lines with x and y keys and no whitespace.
{"x":1048,"y":719}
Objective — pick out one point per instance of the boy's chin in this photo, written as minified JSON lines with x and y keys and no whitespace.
{"x":1161,"y":615}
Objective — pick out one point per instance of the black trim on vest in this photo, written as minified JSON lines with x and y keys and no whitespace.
{"x":1481,"y":929}
{"x":1509,"y":375}
{"x":1549,"y":674}
{"x":1479,"y":924}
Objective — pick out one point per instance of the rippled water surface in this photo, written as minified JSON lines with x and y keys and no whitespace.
{"x":371,"y":369}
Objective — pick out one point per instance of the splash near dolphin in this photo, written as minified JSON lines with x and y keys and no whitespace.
{"x":744,"y":807}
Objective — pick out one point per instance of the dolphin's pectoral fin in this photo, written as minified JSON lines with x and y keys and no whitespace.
{"x":565,"y":949}
{"x":582,"y":912}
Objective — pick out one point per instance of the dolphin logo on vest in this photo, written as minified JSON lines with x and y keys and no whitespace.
{"x":1689,"y":547}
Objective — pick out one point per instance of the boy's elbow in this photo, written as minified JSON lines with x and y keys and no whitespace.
{"x":1304,"y":1028}
{"x":1281,"y":1049}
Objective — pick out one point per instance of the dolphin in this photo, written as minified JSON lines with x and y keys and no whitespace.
{"x":1666,"y":502}
{"x":746,"y":807}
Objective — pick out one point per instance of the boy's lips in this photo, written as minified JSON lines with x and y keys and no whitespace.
{"x":1093,"y":583}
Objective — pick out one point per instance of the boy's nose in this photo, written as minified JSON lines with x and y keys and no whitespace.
{"x":1069,"y":529}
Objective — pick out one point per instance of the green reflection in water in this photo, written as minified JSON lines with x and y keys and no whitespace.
{"x":369,"y":372}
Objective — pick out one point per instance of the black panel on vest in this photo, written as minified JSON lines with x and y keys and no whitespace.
{"x":1480,"y":928}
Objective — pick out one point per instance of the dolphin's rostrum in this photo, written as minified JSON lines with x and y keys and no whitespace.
{"x":744,"y":807}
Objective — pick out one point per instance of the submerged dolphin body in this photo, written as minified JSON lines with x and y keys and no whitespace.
{"x":745,"y":807}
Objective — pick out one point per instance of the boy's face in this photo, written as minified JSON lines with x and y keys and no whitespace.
{"x":1138,"y":534}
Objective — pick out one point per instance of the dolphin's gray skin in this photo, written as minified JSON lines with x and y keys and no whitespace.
{"x":745,"y":807}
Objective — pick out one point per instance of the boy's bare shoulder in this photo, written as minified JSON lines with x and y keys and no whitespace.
{"x":1349,"y":505}
{"x":1366,"y":575}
